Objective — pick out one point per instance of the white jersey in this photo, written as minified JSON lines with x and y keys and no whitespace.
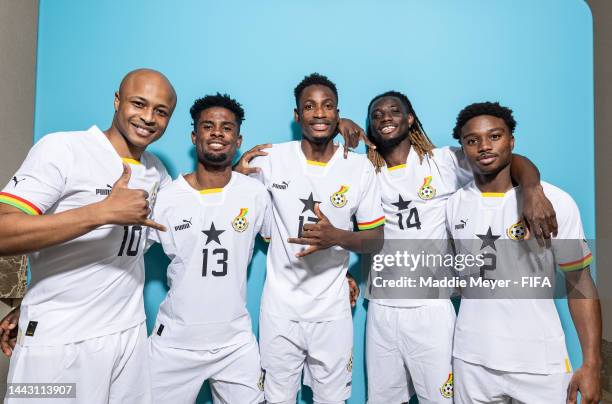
{"x":210,"y":238}
{"x":313,"y":288}
{"x":414,"y":198}
{"x":513,"y":335}
{"x":90,"y":286}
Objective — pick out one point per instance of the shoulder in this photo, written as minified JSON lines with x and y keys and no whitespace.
{"x":246,"y":183}
{"x":563,"y":202}
{"x":152,"y":161}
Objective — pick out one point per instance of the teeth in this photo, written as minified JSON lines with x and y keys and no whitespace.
{"x":388,"y":129}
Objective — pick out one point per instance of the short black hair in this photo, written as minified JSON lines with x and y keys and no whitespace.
{"x":311,"y":80}
{"x":217,"y":100}
{"x":483,"y":108}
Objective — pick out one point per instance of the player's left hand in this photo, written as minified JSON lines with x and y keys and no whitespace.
{"x":539,"y":215}
{"x":8,"y":331}
{"x":586,"y":381}
{"x":352,"y":134}
{"x":318,"y":236}
{"x":353,"y":289}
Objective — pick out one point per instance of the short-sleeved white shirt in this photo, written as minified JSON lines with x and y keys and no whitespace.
{"x":414,"y":196}
{"x":512,"y":334}
{"x":210,"y":239}
{"x":313,"y":288}
{"x":92,"y":285}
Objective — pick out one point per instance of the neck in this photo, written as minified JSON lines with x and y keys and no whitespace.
{"x":123,"y":148}
{"x":322,"y":152}
{"x":398,"y":154}
{"x":208,"y":176}
{"x":498,"y":182}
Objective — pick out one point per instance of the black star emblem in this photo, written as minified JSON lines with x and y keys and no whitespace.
{"x":212,"y":234}
{"x":309,"y":204}
{"x":401,"y":204}
{"x":488,"y":239}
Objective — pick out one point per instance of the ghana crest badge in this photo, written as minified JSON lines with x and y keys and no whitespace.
{"x":338,"y":199}
{"x":517,"y":231}
{"x":240,"y":222}
{"x":447,"y":388}
{"x":427,"y":191}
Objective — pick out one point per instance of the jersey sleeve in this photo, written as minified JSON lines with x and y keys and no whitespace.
{"x":570,"y":248}
{"x":266,"y":228}
{"x":263,"y":163}
{"x":461,"y":166}
{"x":163,"y":237}
{"x":40,"y":181}
{"x":369,"y":213}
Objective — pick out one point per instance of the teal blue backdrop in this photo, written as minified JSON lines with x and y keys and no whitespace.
{"x":535,"y":56}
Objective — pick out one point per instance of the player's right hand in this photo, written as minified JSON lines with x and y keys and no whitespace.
{"x":243,"y":164}
{"x":127,"y":206}
{"x":8,"y":331}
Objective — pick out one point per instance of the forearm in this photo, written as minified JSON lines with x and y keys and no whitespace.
{"x":585,"y":309}
{"x":22,"y":234}
{"x":524,"y":172}
{"x":361,"y":242}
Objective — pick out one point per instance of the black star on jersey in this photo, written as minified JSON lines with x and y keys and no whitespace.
{"x":309,"y":204}
{"x":488,"y":239}
{"x":212,"y":234}
{"x":401,"y":204}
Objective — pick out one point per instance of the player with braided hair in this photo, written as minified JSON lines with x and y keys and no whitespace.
{"x":409,"y":333}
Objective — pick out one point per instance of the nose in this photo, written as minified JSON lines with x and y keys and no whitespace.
{"x":319,"y":111}
{"x":485,"y":145}
{"x":147,"y":116}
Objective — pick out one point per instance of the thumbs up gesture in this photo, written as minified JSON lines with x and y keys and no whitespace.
{"x":318,"y":236}
{"x":126,"y":206}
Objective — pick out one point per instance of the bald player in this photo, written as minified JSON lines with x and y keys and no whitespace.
{"x":79,"y":207}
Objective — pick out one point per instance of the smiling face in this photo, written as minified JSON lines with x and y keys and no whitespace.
{"x":317,"y":113}
{"x":216,"y":136}
{"x":143,"y":106}
{"x":390,"y":122}
{"x":487,"y":143}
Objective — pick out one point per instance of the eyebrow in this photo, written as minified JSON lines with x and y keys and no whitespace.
{"x":223,"y":122}
{"x":488,"y":131}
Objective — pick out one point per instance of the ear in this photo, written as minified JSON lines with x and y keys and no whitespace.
{"x":116,"y":102}
{"x":296,"y":116}
{"x":238,"y":141}
{"x":410,"y":120}
{"x":193,"y":137}
{"x":511,"y":142}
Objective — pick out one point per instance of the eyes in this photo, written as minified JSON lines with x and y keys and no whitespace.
{"x":378,"y":114}
{"x":328,"y":106}
{"x":161,"y":112}
{"x":475,"y":140}
{"x":208,"y":126}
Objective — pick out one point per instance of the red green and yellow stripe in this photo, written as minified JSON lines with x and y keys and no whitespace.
{"x":243,"y":212}
{"x":372,"y":224}
{"x":19,"y":203}
{"x":343,"y":189}
{"x":427,"y":181}
{"x":578,"y":264}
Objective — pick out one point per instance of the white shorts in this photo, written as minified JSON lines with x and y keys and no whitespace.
{"x":234,"y":373}
{"x":109,"y":369}
{"x":409,"y":350}
{"x":323,"y":348}
{"x":479,"y":384}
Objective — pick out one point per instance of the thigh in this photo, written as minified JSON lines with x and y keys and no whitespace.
{"x":131,"y":381}
{"x":387,"y":376}
{"x":330,"y":359}
{"x":87,"y":364}
{"x":425,"y":341}
{"x":176,"y":374}
{"x":239,"y":378}
{"x":475,"y":384}
{"x":282,"y":357}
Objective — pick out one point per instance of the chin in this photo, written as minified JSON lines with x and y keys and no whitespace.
{"x":319,"y":139}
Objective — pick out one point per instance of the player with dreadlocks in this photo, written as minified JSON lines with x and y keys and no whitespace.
{"x":409,"y":332}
